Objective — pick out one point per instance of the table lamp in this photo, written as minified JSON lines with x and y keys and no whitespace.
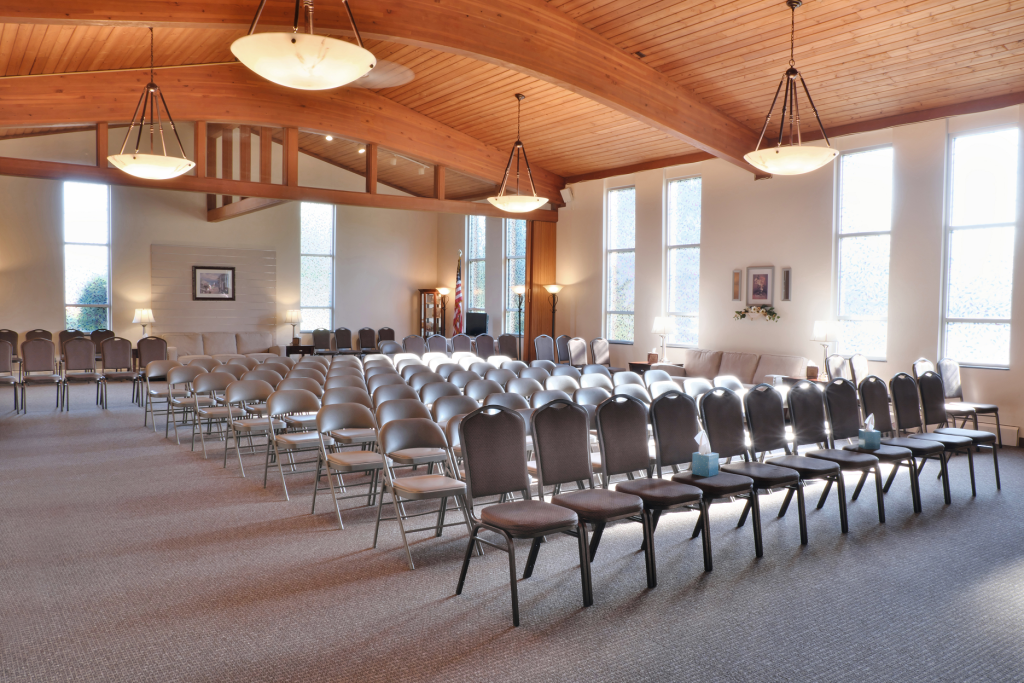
{"x":144,"y":316}
{"x":661,"y":328}
{"x":825,"y":332}
{"x":294,"y":317}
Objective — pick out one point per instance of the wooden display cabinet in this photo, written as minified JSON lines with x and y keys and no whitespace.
{"x":430,"y":312}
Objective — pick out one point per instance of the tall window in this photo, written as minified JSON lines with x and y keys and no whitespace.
{"x":317,"y":266}
{"x":476,"y":266}
{"x":515,"y":270}
{"x":979,"y":267}
{"x":863,"y":226}
{"x":86,"y":256}
{"x":683,"y":247}
{"x":621,"y":264}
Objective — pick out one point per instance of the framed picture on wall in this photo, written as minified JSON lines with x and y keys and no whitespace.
{"x":760,"y":285}
{"x":213,"y":283}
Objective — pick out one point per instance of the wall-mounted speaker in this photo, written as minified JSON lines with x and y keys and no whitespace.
{"x":566,"y":194}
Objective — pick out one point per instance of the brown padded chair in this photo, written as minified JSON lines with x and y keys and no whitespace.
{"x":344,"y":381}
{"x":508,"y":345}
{"x":347,"y":424}
{"x":385,"y":334}
{"x":7,"y":369}
{"x":322,"y":342}
{"x":601,"y":353}
{"x":156,"y":370}
{"x":392,"y":392}
{"x":422,"y":379}
{"x":11,"y":337}
{"x":285,"y":403}
{"x":493,"y":440}
{"x":343,"y":341}
{"x":562,"y":348}
{"x":98,"y":337}
{"x":367,"y":340}
{"x":414,"y":344}
{"x":246,"y":392}
{"x":38,"y":334}
{"x":150,"y":349}
{"x":346,"y":395}
{"x":116,"y":357}
{"x":462,"y":343}
{"x":435,"y":390}
{"x":38,"y":366}
{"x":952,"y":388}
{"x":577,"y":348}
{"x":484,"y":346}
{"x":437,"y":344}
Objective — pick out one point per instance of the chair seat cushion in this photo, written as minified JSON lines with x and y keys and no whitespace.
{"x":763,"y":474}
{"x":417,"y":456}
{"x":259,"y":409}
{"x":190,"y":401}
{"x":721,"y":484}
{"x":919,"y":447}
{"x":947,"y":440}
{"x":885,"y":453}
{"x":428,"y":486}
{"x":215,"y":412}
{"x":659,"y":493}
{"x":355,"y":461}
{"x":120,"y":376}
{"x":975,"y":435}
{"x":528,"y":518}
{"x":255,"y":425}
{"x":969,"y":408}
{"x":299,"y":439}
{"x":306,"y":421}
{"x":599,"y":505}
{"x":42,"y":379}
{"x":807,"y":468}
{"x":847,"y":460}
{"x":354,"y":435}
{"x":7,"y":379}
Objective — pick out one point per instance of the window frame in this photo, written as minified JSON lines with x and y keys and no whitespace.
{"x":108,"y":245}
{"x":947,"y":237}
{"x":607,"y":252}
{"x":666,"y":256}
{"x":506,"y":275}
{"x":467,"y":281}
{"x":837,"y":251}
{"x":333,"y":258}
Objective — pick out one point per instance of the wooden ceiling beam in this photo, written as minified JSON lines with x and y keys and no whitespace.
{"x":528,"y":36}
{"x":241,"y":208}
{"x":642,"y":166}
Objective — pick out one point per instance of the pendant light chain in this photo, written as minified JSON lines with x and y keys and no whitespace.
{"x":792,"y":33}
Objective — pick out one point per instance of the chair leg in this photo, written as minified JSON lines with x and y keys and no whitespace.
{"x":785,"y":503}
{"x":585,"y":577}
{"x":892,"y":476}
{"x":652,"y":569}
{"x":860,"y":484}
{"x":915,"y":485}
{"x":802,"y":510}
{"x":844,"y":523}
{"x":405,"y":541}
{"x":970,"y":466}
{"x":995,"y":460}
{"x":596,"y":539}
{"x":746,"y":511}
{"x":700,"y":525}
{"x":755,"y":517}
{"x":944,"y":473}
{"x":465,"y":560}
{"x":878,"y":491}
{"x":511,"y":578}
{"x":380,"y":507}
{"x":824,"y":493}
{"x":705,"y":522}
{"x":531,"y":559}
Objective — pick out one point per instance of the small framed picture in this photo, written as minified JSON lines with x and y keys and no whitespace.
{"x":213,"y":283}
{"x":787,"y":284}
{"x":737,"y":285}
{"x":760,"y":285}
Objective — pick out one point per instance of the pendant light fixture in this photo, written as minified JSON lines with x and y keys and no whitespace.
{"x":152,"y":166}
{"x":794,"y":158}
{"x":517,"y":203}
{"x":303,"y":60}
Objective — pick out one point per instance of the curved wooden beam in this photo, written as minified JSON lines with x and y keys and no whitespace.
{"x":528,"y":36}
{"x":236,"y":95}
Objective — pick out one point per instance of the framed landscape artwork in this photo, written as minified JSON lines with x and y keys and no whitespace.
{"x":760,"y":285}
{"x":213,"y":283}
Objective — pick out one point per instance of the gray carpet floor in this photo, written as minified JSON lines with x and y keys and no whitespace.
{"x":125,"y":557}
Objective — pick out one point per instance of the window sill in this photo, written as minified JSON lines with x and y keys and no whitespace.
{"x":985,"y":367}
{"x":681,"y":346}
{"x":623,"y":343}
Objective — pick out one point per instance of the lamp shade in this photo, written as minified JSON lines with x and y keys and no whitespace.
{"x":293,"y":317}
{"x":553,"y":289}
{"x":791,"y":159}
{"x":151,"y":166}
{"x":825,"y":331}
{"x":144,"y":316}
{"x":519,"y":289}
{"x":517,"y":203}
{"x":443,"y":291}
{"x":660,"y":325}
{"x":302,"y":60}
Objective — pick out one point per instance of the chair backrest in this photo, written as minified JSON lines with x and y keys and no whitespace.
{"x":659,"y":388}
{"x":116,"y":353}
{"x":500,"y":376}
{"x":212,"y":382}
{"x":508,"y":345}
{"x":561,"y":442}
{"x":566,"y":371}
{"x":541,"y":398}
{"x":79,"y":354}
{"x":269,"y":376}
{"x":461,"y":342}
{"x":207,"y":364}
{"x":836,"y":367}
{"x":447,"y":407}
{"x":599,"y":351}
{"x":347,"y":395}
{"x":337,"y":361}
{"x":335,"y":371}
{"x":389,"y":347}
{"x":730,"y":382}
{"x":376,"y":381}
{"x":183,"y":374}
{"x":484,"y":346}
{"x":367,"y":339}
{"x":905,"y":403}
{"x":407,"y":369}
{"x":385,"y":334}
{"x":343,"y":339}
{"x":874,"y":400}
{"x":285,"y":401}
{"x":721,"y":412}
{"x":949,"y":371}
{"x":493,"y":442}
{"x":622,"y":434}
{"x":637,"y":391}
{"x":511,"y":401}
{"x":322,"y":339}
{"x":841,"y":407}
{"x":414,"y":344}
{"x":421,"y":379}
{"x":561,"y":383}
{"x":621,"y":378}
{"x":38,"y":334}
{"x":807,"y":414}
{"x":315,"y":361}
{"x":160,"y":368}
{"x":248,"y":391}
{"x":482,"y":367}
{"x":539,"y":374}
{"x":344,"y":416}
{"x":933,"y":402}
{"x":434,"y":358}
{"x":466,"y":360}
{"x":516,"y":366}
{"x":577,"y":352}
{"x":9,"y":336}
{"x":671,"y":370}
{"x":377,"y":356}
{"x":695,"y":387}
{"x":6,"y":356}
{"x":378,"y":362}
{"x":66,"y":335}
{"x":302,"y":383}
{"x":462,"y":378}
{"x":593,"y":396}
{"x":524,"y":386}
{"x":435,"y":390}
{"x":437,"y":344}
{"x":151,"y":349}
{"x":766,"y":419}
{"x":545,"y":364}
{"x":235,"y":371}
{"x":479,"y":389}
{"x":544,"y":348}
{"x":594,"y":369}
{"x":597,"y":380}
{"x":921,"y":366}
{"x":411,"y":432}
{"x":307,"y":372}
{"x":378,"y":369}
{"x":249,"y":363}
{"x":446,"y":369}
{"x":391,"y":392}
{"x":858,"y":368}
{"x":400,"y":409}
{"x":562,"y":348}
{"x":675,"y":424}
{"x":101,"y":335}
{"x":652,"y":376}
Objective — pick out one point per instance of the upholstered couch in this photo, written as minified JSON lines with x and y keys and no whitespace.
{"x":749,"y":368}
{"x":223,"y":346}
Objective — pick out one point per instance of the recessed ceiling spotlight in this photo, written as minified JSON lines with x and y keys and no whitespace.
{"x":362,"y":150}
{"x":329,"y":138}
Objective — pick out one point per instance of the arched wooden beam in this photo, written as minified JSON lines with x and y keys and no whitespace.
{"x":528,"y":36}
{"x":234,"y":94}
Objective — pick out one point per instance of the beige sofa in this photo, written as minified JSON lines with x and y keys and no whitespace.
{"x":223,"y":346}
{"x":749,"y":368}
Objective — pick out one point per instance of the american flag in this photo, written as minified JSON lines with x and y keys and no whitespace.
{"x":457,"y":315}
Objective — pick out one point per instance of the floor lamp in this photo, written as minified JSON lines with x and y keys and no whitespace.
{"x":825,"y":332}
{"x":443,"y":291}
{"x":661,"y":328}
{"x":553,"y":291}
{"x":519,"y":291}
{"x":293,"y":318}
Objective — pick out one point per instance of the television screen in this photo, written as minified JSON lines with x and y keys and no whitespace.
{"x":476,"y":323}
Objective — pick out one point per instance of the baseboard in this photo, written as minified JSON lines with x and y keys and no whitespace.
{"x":1010,"y":434}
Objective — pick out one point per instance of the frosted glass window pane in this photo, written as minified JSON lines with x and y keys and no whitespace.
{"x":315,"y":318}
{"x":512,"y":322}
{"x":622,"y":218}
{"x":985,"y":178}
{"x":476,"y":237}
{"x":85,"y":274}
{"x":476,"y":276}
{"x":317,"y":221}
{"x":864,"y":276}
{"x":86,"y":319}
{"x":516,"y":276}
{"x":862,"y":336}
{"x":684,"y":211}
{"x":86,"y":213}
{"x":316,"y":280}
{"x":865,"y":200}
{"x":621,"y":277}
{"x":980,"y":273}
{"x":684,"y":280}
{"x":515,"y":243}
{"x":620,"y":327}
{"x":978,"y":343}
{"x":683,"y":330}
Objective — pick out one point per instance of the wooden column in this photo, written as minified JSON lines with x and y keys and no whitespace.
{"x":211,"y":163}
{"x":227,"y":160}
{"x":540,"y":271}
{"x":199,"y":149}
{"x":266,"y":154}
{"x":291,"y":157}
{"x":101,"y":145}
{"x":244,"y":153}
{"x":438,"y":182}
{"x":371,"y":168}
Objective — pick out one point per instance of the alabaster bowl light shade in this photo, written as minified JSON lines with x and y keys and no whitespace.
{"x":443,"y":291}
{"x":303,"y":61}
{"x":151,"y":166}
{"x":517,"y":203}
{"x":791,"y":159}
{"x":553,"y":289}
{"x":519,"y":289}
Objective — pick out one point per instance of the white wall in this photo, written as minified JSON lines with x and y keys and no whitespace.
{"x":788,"y":222}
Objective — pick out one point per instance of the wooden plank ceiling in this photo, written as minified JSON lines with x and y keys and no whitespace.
{"x":863,"y":61}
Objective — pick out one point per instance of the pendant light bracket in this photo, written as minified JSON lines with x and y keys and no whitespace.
{"x":506,"y":201}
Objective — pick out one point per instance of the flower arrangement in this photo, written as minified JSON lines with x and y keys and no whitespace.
{"x":766,"y":312}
